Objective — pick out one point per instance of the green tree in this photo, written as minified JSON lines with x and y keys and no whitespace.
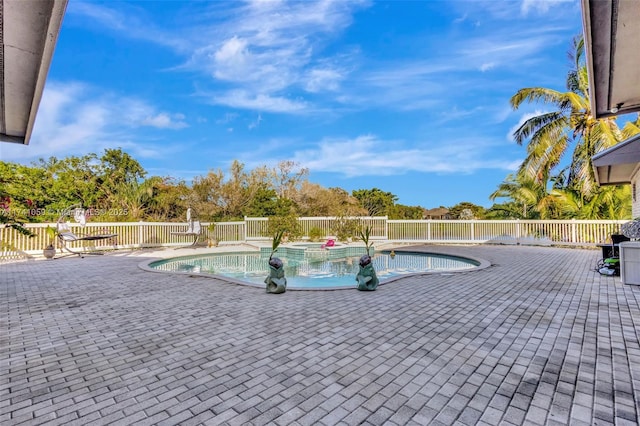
{"x":466,"y":210}
{"x":312,"y":199}
{"x":25,"y":191}
{"x":239,"y":190}
{"x":168,"y":197}
{"x":402,"y":212}
{"x":121,"y":180}
{"x":551,"y":135}
{"x":504,"y":211}
{"x":344,"y":204}
{"x":287,"y":225}
{"x":609,"y":202}
{"x":568,"y":130}
{"x":14,"y":209}
{"x":117,"y":166}
{"x":265,"y":203}
{"x":526,"y":195}
{"x":375,"y":201}
{"x":129,"y":201}
{"x":206,"y":195}
{"x":73,"y":180}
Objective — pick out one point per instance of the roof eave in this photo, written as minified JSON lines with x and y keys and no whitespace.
{"x":53,"y":32}
{"x":50,"y":31}
{"x":610,"y":33}
{"x":619,"y":156}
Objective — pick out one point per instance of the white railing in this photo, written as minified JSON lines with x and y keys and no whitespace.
{"x":14,"y":245}
{"x":257,"y":227}
{"x":557,"y":232}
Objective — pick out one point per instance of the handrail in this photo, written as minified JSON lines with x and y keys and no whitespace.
{"x":166,"y":234}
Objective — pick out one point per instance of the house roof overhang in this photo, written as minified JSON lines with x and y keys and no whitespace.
{"x":618,"y":164}
{"x":28,"y":36}
{"x":611,"y":34}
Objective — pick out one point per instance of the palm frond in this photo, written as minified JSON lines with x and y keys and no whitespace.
{"x":631,"y":128}
{"x":540,"y":123}
{"x":275,"y":243}
{"x":365,"y":233}
{"x":535,"y":94}
{"x":576,"y":102}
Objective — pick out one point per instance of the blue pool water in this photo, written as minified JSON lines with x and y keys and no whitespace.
{"x":315,"y":270}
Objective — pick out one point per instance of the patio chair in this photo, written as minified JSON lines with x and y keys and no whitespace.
{"x":194,"y":229}
{"x":66,"y":235}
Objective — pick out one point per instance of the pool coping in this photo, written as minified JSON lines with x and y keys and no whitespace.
{"x":482,"y":264}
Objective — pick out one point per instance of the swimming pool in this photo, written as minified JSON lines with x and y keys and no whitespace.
{"x":313,"y":271}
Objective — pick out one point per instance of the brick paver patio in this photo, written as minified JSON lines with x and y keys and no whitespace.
{"x":538,"y":338}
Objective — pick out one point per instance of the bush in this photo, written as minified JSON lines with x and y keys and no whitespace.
{"x":316,"y":234}
{"x":288,"y":225}
{"x":345,"y":228}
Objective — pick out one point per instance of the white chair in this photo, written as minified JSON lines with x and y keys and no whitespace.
{"x":194,"y":229}
{"x":66,"y":235}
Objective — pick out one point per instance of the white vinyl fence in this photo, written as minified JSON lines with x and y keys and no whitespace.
{"x":14,"y":245}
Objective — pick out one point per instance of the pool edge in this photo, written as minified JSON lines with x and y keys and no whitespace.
{"x":482,"y":264}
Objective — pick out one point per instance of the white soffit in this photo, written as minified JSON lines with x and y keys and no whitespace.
{"x":28,"y":34}
{"x":612,"y":40}
{"x":618,"y":164}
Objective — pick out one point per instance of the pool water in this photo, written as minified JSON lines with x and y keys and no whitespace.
{"x":313,"y":272}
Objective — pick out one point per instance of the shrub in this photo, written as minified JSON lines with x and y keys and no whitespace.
{"x":345,"y":228}
{"x":288,"y":225}
{"x":316,"y":234}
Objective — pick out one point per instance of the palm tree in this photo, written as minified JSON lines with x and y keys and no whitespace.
{"x":570,"y":192}
{"x":631,"y":128}
{"x":132,"y":200}
{"x":610,"y":202}
{"x":570,"y":124}
{"x":532,"y":196}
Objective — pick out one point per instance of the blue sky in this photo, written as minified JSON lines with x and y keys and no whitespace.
{"x":411,"y":97}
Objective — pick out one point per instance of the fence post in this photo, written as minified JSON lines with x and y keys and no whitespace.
{"x":574,"y":236}
{"x":244,"y":229}
{"x":386,"y":227}
{"x":473,"y":231}
{"x":140,"y":234}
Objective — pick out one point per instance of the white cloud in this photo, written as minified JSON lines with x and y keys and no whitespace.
{"x":137,"y":113}
{"x":129,"y":21}
{"x":458,"y":115}
{"x":227,"y":118}
{"x":460,"y":19}
{"x":232,"y":60}
{"x":369,"y":156}
{"x":319,"y":80}
{"x":487,"y":66}
{"x":500,"y":50}
{"x":165,"y":121}
{"x":408,"y":85}
{"x":262,"y":53}
{"x":255,"y":123}
{"x":541,"y":6}
{"x":258,"y":102}
{"x":75,"y":119}
{"x":269,"y":49}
